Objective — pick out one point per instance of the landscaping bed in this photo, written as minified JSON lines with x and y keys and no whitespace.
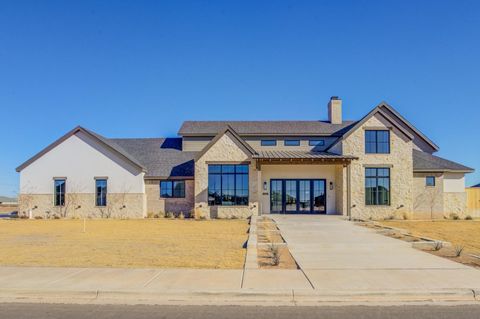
{"x":154,"y":243}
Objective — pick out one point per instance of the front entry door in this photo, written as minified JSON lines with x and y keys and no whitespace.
{"x":303,"y":196}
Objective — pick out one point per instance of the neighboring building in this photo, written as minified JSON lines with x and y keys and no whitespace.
{"x":476,"y":186}
{"x":377,"y":167}
{"x":8,"y":204}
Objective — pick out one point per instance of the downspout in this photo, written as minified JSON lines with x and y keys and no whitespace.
{"x":349,"y":198}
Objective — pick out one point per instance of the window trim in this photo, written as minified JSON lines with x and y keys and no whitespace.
{"x":322,"y":142}
{"x":434,"y":181}
{"x":377,"y":177}
{"x":376,"y":141}
{"x":106,"y":191}
{"x":297,"y":142}
{"x":268,"y":140}
{"x":64,"y":179}
{"x":235,"y":174}
{"x":172,"y":182}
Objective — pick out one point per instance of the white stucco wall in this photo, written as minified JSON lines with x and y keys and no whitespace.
{"x":454,"y":183}
{"x":80,"y":159}
{"x":269,"y":172}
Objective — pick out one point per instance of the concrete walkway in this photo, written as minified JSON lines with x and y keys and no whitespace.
{"x":337,"y":255}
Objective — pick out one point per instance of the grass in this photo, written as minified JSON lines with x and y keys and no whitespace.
{"x":124,"y":243}
{"x":463,"y":233}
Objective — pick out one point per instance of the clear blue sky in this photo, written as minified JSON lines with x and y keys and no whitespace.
{"x":140,"y":68}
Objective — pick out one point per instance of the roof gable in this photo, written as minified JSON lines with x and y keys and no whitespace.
{"x":102,"y":140}
{"x":244,"y":146}
{"x":392,"y":116}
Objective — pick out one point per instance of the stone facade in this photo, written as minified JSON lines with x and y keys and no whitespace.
{"x":399,"y":161}
{"x":455,"y":203}
{"x":224,"y":151}
{"x":83,"y":205}
{"x":160,"y":206}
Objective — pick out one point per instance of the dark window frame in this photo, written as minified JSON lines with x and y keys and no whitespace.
{"x":59,"y":192}
{"x":376,"y":145}
{"x":320,"y":142}
{"x":101,"y":192}
{"x":376,"y":199}
{"x":174,"y":191}
{"x":220,"y":195}
{"x":291,"y":142}
{"x":431,"y":178}
{"x":268,"y":142}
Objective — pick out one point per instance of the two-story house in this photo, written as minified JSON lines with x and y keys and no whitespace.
{"x":376,"y":167}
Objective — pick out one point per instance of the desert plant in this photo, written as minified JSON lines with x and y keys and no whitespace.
{"x":150,"y":215}
{"x":468,"y":217}
{"x":181,"y":215}
{"x":275,"y":253}
{"x":38,"y":217}
{"x":438,"y":245}
{"x":454,"y":216}
{"x":458,"y":250}
{"x":169,"y":215}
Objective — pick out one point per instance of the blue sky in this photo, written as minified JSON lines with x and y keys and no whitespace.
{"x":140,"y":68}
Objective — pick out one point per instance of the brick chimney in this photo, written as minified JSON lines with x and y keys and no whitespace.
{"x":335,"y":110}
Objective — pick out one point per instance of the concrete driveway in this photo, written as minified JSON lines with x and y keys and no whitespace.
{"x":337,"y":255}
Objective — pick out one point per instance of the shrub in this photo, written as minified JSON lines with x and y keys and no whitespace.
{"x":56,"y":217}
{"x":454,"y":216}
{"x":389,"y":217}
{"x":458,"y":250}
{"x":181,"y":215}
{"x":274,"y":252}
{"x":150,"y":215}
{"x":38,"y":217}
{"x":169,"y":215}
{"x":438,"y":245}
{"x":468,"y":217}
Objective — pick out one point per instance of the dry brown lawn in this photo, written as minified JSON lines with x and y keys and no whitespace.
{"x":458,"y":232}
{"x":124,"y":243}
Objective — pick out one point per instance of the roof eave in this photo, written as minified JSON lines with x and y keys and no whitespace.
{"x":442,"y":170}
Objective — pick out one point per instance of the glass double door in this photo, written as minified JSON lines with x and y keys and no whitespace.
{"x":302,"y":196}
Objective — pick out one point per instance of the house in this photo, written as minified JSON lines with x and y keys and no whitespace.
{"x":376,"y":167}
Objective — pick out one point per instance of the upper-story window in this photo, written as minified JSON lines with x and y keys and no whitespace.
{"x":430,"y":181}
{"x":291,"y":143}
{"x":316,"y":142}
{"x":59,"y":191}
{"x":101,"y":192}
{"x":269,"y":142}
{"x":172,"y":189}
{"x":227,"y":185}
{"x":377,"y":141}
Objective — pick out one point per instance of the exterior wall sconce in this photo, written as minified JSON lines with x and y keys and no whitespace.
{"x":331,"y":186}
{"x":264,"y":185}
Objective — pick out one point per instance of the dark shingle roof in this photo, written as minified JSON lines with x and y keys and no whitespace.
{"x":299,"y":155}
{"x":163,"y":157}
{"x":423,"y":161}
{"x":478,"y":185}
{"x":299,"y":128}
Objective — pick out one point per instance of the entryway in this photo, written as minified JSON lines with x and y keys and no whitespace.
{"x":298,"y":196}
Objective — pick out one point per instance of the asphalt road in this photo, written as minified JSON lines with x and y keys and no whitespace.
{"x":43,"y":311}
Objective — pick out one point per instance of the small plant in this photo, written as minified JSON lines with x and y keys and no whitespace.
{"x":438,"y":245}
{"x":275,"y":253}
{"x":391,"y":217}
{"x":169,"y":215}
{"x":454,"y":216}
{"x":181,"y":216}
{"x":38,"y":217}
{"x":56,"y":217}
{"x":150,"y":215}
{"x":458,"y":250}
{"x":468,"y":217}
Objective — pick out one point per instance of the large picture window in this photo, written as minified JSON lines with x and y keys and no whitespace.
{"x":59,"y":191}
{"x":377,"y":186}
{"x":172,"y":189}
{"x":101,"y":192}
{"x":377,"y":141}
{"x":227,"y":185}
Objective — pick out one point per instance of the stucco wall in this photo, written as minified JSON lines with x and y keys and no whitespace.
{"x":455,"y":203}
{"x":306,"y":171}
{"x":158,"y":205}
{"x":401,"y":171}
{"x":224,"y":151}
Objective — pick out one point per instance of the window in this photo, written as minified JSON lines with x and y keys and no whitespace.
{"x":59,"y":192}
{"x":377,"y":186}
{"x":430,"y":181}
{"x":291,"y":142}
{"x":269,"y":142}
{"x":377,"y":142}
{"x":316,"y":142}
{"x":227,"y":185}
{"x":101,"y":192}
{"x":172,"y":189}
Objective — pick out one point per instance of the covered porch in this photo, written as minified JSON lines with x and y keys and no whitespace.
{"x":303,"y":182}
